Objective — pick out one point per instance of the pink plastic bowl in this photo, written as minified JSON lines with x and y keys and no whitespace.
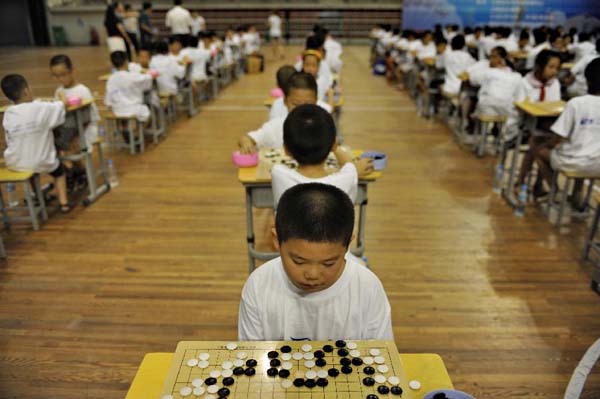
{"x":245,"y":160}
{"x":276,"y":92}
{"x":73,"y":101}
{"x":154,"y":73}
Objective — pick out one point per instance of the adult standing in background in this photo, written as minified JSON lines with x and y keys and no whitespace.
{"x":146,"y":30}
{"x":274,"y":22}
{"x":118,"y":39}
{"x":130,"y":21}
{"x":198,"y":23}
{"x":179,"y":20}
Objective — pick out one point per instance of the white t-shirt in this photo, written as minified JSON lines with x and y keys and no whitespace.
{"x":284,"y":178}
{"x":582,"y":49}
{"x":496,"y":85}
{"x":270,"y":134}
{"x":333,"y":54}
{"x":509,"y":44}
{"x":170,"y":70}
{"x":199,"y":59}
{"x":274,"y":25}
{"x":198,"y":25}
{"x":251,"y":43}
{"x":455,"y":62}
{"x":131,"y":24}
{"x":279,"y":110}
{"x":125,"y":94}
{"x":534,"y":53}
{"x":579,"y":123}
{"x":91,"y":130}
{"x":354,"y":307}
{"x":427,"y":51}
{"x":579,"y":86}
{"x":485,"y":46}
{"x":179,"y":20}
{"x":29,"y":138}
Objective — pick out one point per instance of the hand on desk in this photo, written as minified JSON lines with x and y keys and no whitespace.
{"x":247,"y":145}
{"x":364,"y":166}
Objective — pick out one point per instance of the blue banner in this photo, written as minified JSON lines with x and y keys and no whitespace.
{"x":423,"y":14}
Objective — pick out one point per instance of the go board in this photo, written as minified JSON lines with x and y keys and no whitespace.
{"x":295,"y":369}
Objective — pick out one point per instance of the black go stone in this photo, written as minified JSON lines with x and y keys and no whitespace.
{"x":357,"y":361}
{"x":346,"y":369}
{"x":238,"y":371}
{"x":251,"y":363}
{"x":319,"y":354}
{"x":275,"y":362}
{"x":328,"y":348}
{"x":343,"y":352}
{"x":369,"y":370}
{"x":286,"y":349}
{"x":250,"y":371}
{"x":396,"y":390}
{"x":340,"y":343}
{"x":382,"y":389}
{"x":272,"y":354}
{"x":320,"y":362}
{"x":372,"y":396}
{"x":283,"y":373}
{"x":322,"y":382}
{"x":223,"y":392}
{"x":272,"y":372}
{"x":298,"y":382}
{"x":210,"y":381}
{"x":333,"y":372}
{"x":368,"y":381}
{"x":345,"y":361}
{"x":227,"y":381}
{"x":310,"y":383}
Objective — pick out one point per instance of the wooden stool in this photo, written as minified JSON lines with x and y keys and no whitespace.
{"x":591,"y":245}
{"x":25,"y":178}
{"x":449,"y":105}
{"x":560,"y":208}
{"x":485,"y":123}
{"x":131,"y":121}
{"x":169,"y":103}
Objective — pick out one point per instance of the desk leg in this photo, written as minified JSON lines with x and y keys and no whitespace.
{"x":249,"y":229}
{"x":5,"y":218}
{"x":508,"y":191}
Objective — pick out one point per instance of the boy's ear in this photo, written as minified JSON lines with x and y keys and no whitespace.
{"x":275,"y":238}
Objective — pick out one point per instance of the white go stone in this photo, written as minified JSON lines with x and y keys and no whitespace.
{"x":215,"y":373}
{"x":379,"y":359}
{"x":238,"y":362}
{"x":414,"y":384}
{"x":199,"y":391}
{"x":355,"y":353}
{"x":309,"y":356}
{"x":204,"y":356}
{"x":394,"y":380}
{"x":286,"y":365}
{"x":309,"y":364}
{"x":167,"y":397}
{"x":227,"y":365}
{"x":286,"y":356}
{"x":213,"y":388}
{"x":286,"y":384}
{"x":227,"y":373}
{"x":311,"y":374}
{"x":192,"y":362}
{"x":322,"y":374}
{"x":197,"y":382}
{"x":383,"y":368}
{"x":374,"y":352}
{"x":231,"y":346}
{"x":380,"y":379}
{"x":203,"y":364}
{"x":242,"y":355}
{"x":185,"y":391}
{"x":297,"y":355}
{"x":306,"y":347}
{"x":351,"y":345}
{"x":368,"y":360}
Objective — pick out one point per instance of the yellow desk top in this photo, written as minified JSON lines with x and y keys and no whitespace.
{"x":428,"y":61}
{"x":567,"y":65}
{"x":83,"y":104}
{"x":262,"y":172}
{"x":106,"y":76}
{"x":428,"y":369}
{"x":7,"y":175}
{"x":541,"y":109}
{"x":519,"y":54}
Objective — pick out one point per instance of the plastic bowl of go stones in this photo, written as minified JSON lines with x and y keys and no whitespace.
{"x":153,"y":72}
{"x":244,"y":160}
{"x":73,"y":101}
{"x":379,"y":159}
{"x":447,"y":394}
{"x":276,"y":92}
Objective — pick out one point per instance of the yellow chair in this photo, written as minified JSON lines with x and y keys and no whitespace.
{"x":27,"y":179}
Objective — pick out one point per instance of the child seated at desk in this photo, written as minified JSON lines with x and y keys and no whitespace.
{"x":574,"y":146}
{"x":455,"y":62}
{"x":144,"y":56}
{"x":302,"y":89}
{"x":125,"y":89}
{"x":315,"y":290}
{"x":309,"y":135}
{"x":199,"y":57}
{"x":576,"y":81}
{"x":168,"y":67}
{"x":311,"y":63}
{"x":29,"y":140}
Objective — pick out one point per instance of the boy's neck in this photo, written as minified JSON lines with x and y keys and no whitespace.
{"x":123,"y":68}
{"x":23,"y":100}
{"x":73,"y":84}
{"x":313,"y":171}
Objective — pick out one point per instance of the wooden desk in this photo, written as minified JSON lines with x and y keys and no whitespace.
{"x":541,"y":109}
{"x":567,"y":65}
{"x":428,"y":369}
{"x":259,"y":194}
{"x":519,"y":54}
{"x":70,"y":108}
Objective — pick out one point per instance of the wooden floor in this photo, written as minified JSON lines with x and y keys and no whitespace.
{"x":162,"y":257}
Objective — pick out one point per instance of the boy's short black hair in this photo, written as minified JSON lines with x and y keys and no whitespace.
{"x":458,"y":42}
{"x":192,"y":41}
{"x":524,"y":35}
{"x":440,"y":40}
{"x":315,"y":212}
{"x":598,"y":46}
{"x":178,"y":2}
{"x":309,"y":134}
{"x":584,"y":37}
{"x":118,"y":58}
{"x":315,"y":42}
{"x":13,"y":86}
{"x":147,"y":5}
{"x":592,"y":75}
{"x":302,"y":80}
{"x":161,"y":47}
{"x":539,"y":36}
{"x":543,"y":58}
{"x":284,"y":74}
{"x":175,"y":38}
{"x":146,"y":47}
{"x":61,"y":59}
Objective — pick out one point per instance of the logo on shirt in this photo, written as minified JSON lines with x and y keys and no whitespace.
{"x":589,"y":121}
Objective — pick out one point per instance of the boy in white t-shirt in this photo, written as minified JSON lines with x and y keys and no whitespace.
{"x":198,"y":24}
{"x":309,"y":135}
{"x":455,"y":62}
{"x":315,"y":290}
{"x":576,"y":81}
{"x":169,"y":67}
{"x":28,"y":134}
